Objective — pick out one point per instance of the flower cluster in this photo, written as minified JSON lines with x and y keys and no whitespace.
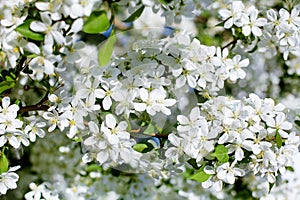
{"x":278,"y":30}
{"x":156,"y":112}
{"x":11,"y":126}
{"x":138,"y":85}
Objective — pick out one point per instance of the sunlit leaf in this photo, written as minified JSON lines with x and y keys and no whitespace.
{"x":200,"y":176}
{"x":221,"y":153}
{"x":24,"y":29}
{"x":135,"y":14}
{"x":106,"y":50}
{"x":140,"y":147}
{"x":278,"y":139}
{"x":7,"y":84}
{"x":97,"y":22}
{"x":3,"y":162}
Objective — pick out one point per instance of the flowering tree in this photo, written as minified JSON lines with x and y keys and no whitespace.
{"x":149,"y":99}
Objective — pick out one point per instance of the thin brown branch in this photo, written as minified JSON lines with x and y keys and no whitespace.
{"x":233,"y":42}
{"x":138,"y":131}
{"x":33,"y":108}
{"x":39,"y":106}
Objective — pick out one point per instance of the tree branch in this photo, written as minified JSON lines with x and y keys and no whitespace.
{"x":33,"y":108}
{"x":39,"y":106}
{"x":233,"y":42}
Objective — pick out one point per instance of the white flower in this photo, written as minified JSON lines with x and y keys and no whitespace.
{"x":125,"y":101}
{"x":114,"y":131}
{"x":188,"y":74}
{"x":291,"y":20}
{"x":235,"y":66}
{"x":213,"y":181}
{"x":253,"y":24}
{"x":7,"y":110}
{"x":233,"y":15}
{"x":206,"y":74}
{"x":51,"y":31}
{"x":8,"y":180}
{"x":55,"y":120}
{"x":294,"y":66}
{"x":81,"y":8}
{"x":108,"y":92}
{"x":41,"y":191}
{"x":44,"y":63}
{"x":272,"y":16}
{"x":227,"y":172}
{"x":177,"y":150}
{"x":241,"y":142}
{"x":35,"y":129}
{"x":278,"y":124}
{"x":154,"y":102}
{"x":207,"y":141}
{"x":193,"y":122}
{"x":91,"y":91}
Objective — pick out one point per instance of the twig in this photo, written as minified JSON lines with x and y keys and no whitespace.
{"x":233,"y":42}
{"x":39,"y":106}
{"x":158,"y":135}
{"x":33,"y":108}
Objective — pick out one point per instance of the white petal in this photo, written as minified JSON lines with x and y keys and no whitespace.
{"x":122,"y":125}
{"x":102,"y":156}
{"x":33,"y":48}
{"x":5,"y":102}
{"x":228,"y":24}
{"x":183,"y":119}
{"x":286,"y":125}
{"x":93,"y":127}
{"x":43,"y":6}
{"x":107,"y":103}
{"x":58,"y":37}
{"x":140,"y":106}
{"x":77,"y":25}
{"x":13,"y":141}
{"x":246,"y":30}
{"x":110,"y":121}
{"x":180,"y":81}
{"x":38,"y":26}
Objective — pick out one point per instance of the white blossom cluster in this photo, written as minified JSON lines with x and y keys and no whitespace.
{"x":278,"y":30}
{"x":247,"y":128}
{"x":139,"y":84}
{"x":90,"y":182}
{"x":156,"y":110}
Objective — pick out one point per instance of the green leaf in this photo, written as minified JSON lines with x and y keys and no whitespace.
{"x":140,"y":147}
{"x":271,"y":185}
{"x":193,"y":163}
{"x":297,"y":122}
{"x":78,"y":139}
{"x":106,"y":50}
{"x":221,"y":153}
{"x":8,"y":84}
{"x":93,"y":167}
{"x":3,"y":162}
{"x":278,"y":139}
{"x":135,"y":15}
{"x":143,"y":147}
{"x":165,"y":1}
{"x":289,"y":168}
{"x":24,"y":29}
{"x":97,"y":22}
{"x":201,"y":176}
{"x":149,"y":130}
